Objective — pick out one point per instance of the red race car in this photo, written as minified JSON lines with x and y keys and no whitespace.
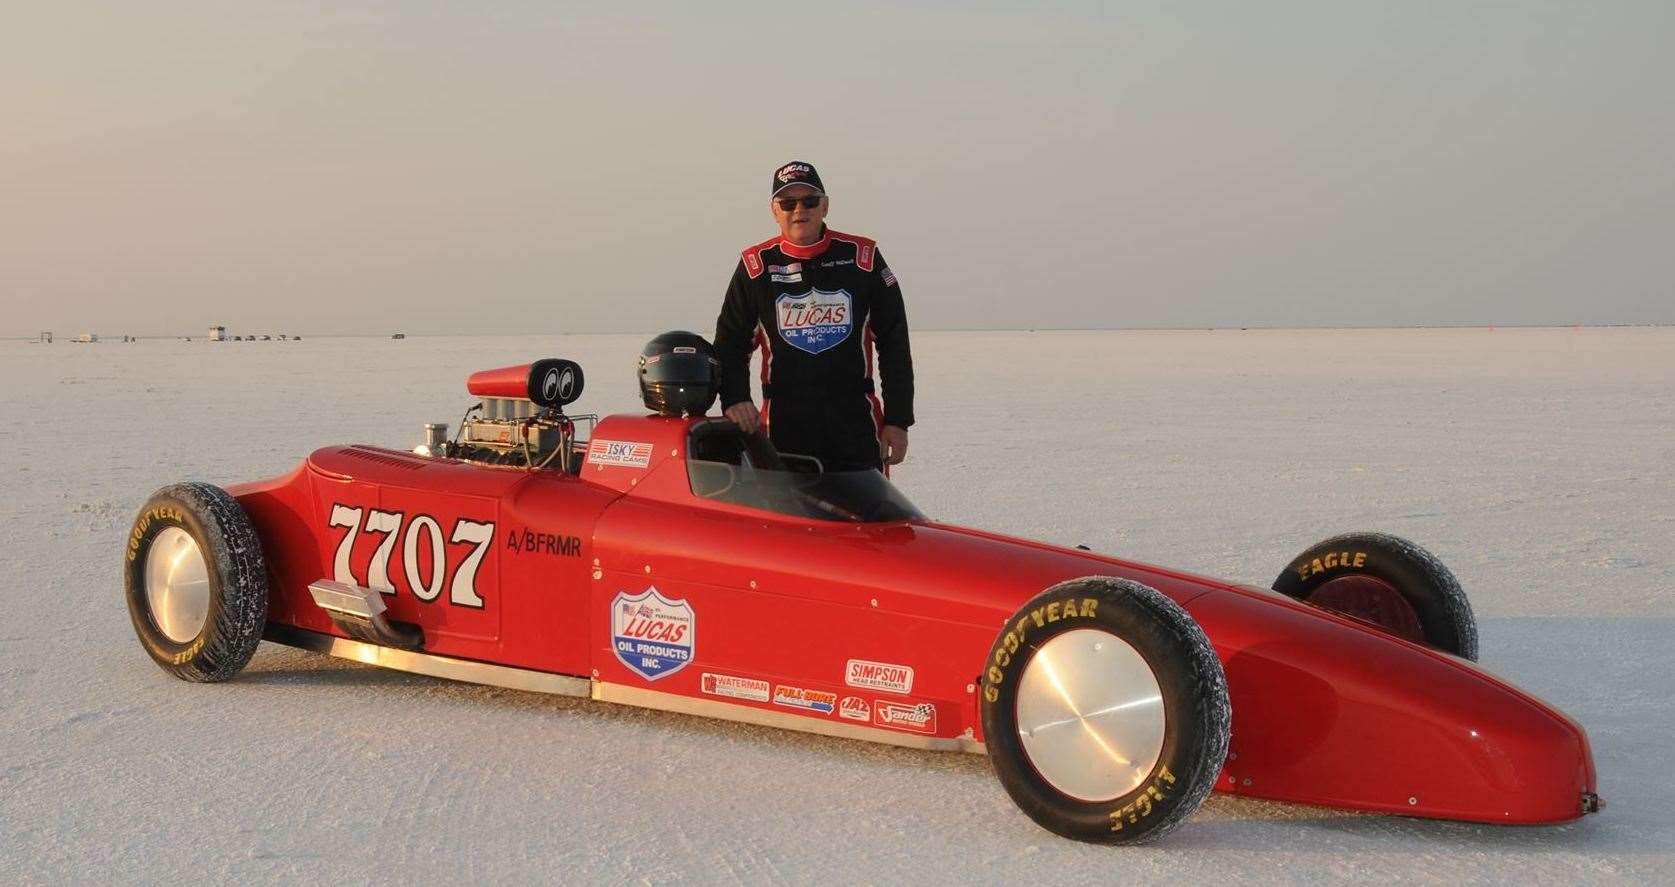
{"x":674,"y":562}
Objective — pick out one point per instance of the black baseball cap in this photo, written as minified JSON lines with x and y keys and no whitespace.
{"x":797,"y":173}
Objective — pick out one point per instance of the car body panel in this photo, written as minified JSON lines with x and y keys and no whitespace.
{"x":621,"y":575}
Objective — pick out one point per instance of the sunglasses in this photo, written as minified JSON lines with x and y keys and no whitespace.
{"x":790,"y":203}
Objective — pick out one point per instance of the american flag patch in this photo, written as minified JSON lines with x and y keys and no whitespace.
{"x":889,"y":276}
{"x":627,"y":453}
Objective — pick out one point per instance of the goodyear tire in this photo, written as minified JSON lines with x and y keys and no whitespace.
{"x":1389,"y":582}
{"x":197,"y":586}
{"x":1105,"y":711}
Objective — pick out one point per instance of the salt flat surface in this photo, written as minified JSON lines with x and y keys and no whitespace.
{"x":1537,"y":463}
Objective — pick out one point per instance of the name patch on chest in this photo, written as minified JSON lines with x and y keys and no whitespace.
{"x":815,"y":321}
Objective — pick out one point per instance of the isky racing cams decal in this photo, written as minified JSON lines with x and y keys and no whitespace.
{"x":626,"y":453}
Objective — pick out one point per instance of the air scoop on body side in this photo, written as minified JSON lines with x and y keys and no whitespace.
{"x":359,"y":612}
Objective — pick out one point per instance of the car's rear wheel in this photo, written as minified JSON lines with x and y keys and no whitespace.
{"x":1105,"y":711}
{"x":197,"y":586}
{"x":1386,"y":581}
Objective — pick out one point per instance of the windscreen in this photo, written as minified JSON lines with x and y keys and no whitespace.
{"x":726,"y":465}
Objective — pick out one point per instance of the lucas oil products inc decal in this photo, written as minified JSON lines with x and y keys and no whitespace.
{"x":627,"y":453}
{"x":913,"y":717}
{"x":812,"y":700}
{"x":878,"y":676}
{"x":734,"y":687}
{"x":652,"y":635}
{"x":815,"y":321}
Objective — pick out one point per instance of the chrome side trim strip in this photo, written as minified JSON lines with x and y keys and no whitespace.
{"x":429,"y":664}
{"x":566,"y":685}
{"x":726,"y":711}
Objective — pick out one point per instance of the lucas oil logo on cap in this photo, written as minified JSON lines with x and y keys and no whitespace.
{"x":815,"y":321}
{"x":792,"y":171}
{"x":652,"y":635}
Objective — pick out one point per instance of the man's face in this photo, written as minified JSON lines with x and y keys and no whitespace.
{"x":801,"y":223}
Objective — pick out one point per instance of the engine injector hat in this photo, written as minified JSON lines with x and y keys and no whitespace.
{"x":679,"y":374}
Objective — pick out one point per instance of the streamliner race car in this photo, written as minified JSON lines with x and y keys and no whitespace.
{"x":674,"y":562}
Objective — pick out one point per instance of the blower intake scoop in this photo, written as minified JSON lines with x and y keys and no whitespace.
{"x":553,"y":383}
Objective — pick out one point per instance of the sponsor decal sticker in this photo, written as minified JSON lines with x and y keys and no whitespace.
{"x":787,"y":278}
{"x":652,"y":635}
{"x":878,"y":676}
{"x":855,"y":709}
{"x":684,"y":349}
{"x":815,"y":321}
{"x":792,"y":171}
{"x":734,"y":687}
{"x":913,"y":717}
{"x":812,"y":700}
{"x":792,"y":268}
{"x":530,"y":542}
{"x":627,"y":453}
{"x":836,"y":262}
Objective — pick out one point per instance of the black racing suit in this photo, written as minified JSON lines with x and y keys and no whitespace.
{"x":817,"y":313}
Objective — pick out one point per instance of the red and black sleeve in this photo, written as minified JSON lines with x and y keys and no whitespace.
{"x":735,"y":330}
{"x":895,"y":357}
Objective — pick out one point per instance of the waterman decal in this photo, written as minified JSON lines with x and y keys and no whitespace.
{"x":914,"y":718}
{"x":627,"y":453}
{"x":855,"y":709}
{"x":878,"y":676}
{"x":815,"y":321}
{"x":736,"y":688}
{"x":813,"y":700}
{"x":652,"y":635}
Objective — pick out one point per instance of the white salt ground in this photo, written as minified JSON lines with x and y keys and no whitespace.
{"x":1537,"y":463}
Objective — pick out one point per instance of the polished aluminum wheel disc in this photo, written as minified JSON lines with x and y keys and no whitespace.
{"x":177,"y":585}
{"x":1090,"y":715}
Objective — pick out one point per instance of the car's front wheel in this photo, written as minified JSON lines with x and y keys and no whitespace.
{"x":197,"y":586}
{"x":1105,"y":711}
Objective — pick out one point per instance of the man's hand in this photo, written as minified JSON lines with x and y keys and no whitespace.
{"x":745,"y":416}
{"x":892,"y":445}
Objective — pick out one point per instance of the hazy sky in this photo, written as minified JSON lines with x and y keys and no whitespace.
{"x":545,"y":167}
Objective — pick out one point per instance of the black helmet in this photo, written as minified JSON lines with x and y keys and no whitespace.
{"x":679,"y":375}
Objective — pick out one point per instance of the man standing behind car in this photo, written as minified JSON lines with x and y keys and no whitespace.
{"x":817,"y":303}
